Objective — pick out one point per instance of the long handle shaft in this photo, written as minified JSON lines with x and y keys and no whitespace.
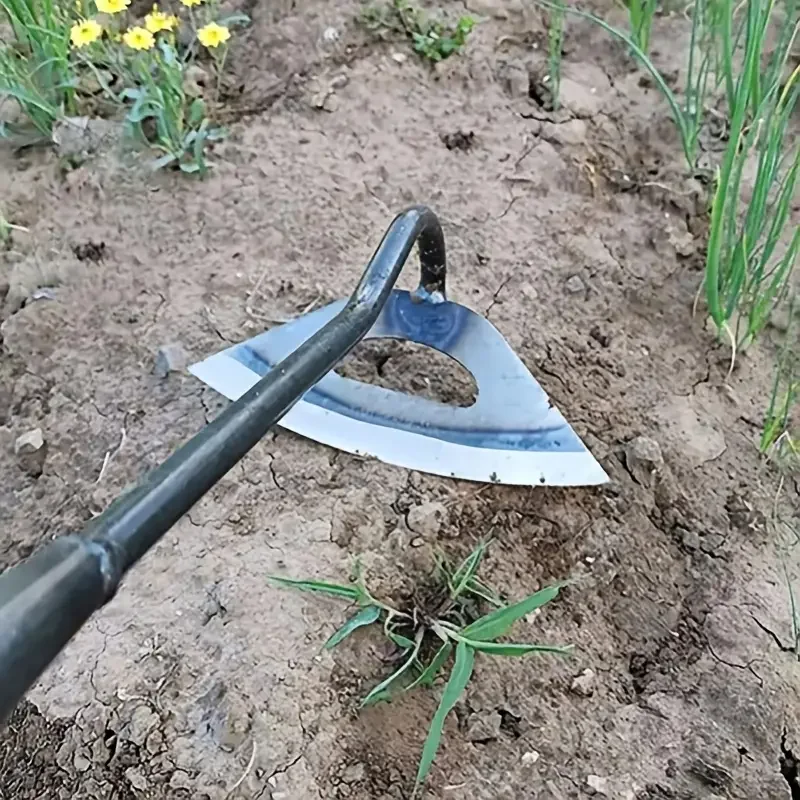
{"x":45,"y":600}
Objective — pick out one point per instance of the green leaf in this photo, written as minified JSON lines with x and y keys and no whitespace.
{"x":400,"y":640}
{"x":459,"y":678}
{"x":366,"y":616}
{"x":381,"y":691}
{"x":501,"y":649}
{"x":237,"y":18}
{"x":427,"y":676}
{"x":467,"y":569}
{"x":197,"y":112}
{"x":497,"y":623}
{"x":322,"y":587}
{"x":163,"y":161}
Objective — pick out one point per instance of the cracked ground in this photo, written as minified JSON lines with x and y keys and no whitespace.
{"x":580,"y":237}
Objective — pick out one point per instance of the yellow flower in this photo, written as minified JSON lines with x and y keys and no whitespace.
{"x":86,"y":32}
{"x":213,"y":35}
{"x":139,"y":39}
{"x":190,"y":3}
{"x":157,"y":21}
{"x":112,"y":6}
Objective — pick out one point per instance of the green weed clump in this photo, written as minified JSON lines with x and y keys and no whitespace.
{"x":444,"y":621}
{"x":61,"y":48}
{"x":431,"y":36}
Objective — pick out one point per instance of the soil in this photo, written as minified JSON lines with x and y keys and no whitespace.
{"x":578,"y":234}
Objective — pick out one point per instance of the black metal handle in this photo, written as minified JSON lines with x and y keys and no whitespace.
{"x":45,"y":600}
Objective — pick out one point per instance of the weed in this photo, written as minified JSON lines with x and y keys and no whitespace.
{"x":431,"y":37}
{"x":640,"y":18}
{"x":444,"y":620}
{"x":555,"y":38}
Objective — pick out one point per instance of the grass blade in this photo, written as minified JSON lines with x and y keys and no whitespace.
{"x":427,"y":676}
{"x":381,"y":691}
{"x":501,"y":649}
{"x":366,"y":616}
{"x":467,"y":569}
{"x":352,"y":593}
{"x":459,"y":678}
{"x":497,"y":623}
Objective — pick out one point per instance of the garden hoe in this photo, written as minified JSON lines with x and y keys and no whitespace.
{"x":511,"y":434}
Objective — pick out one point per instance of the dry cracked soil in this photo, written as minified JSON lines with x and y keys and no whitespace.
{"x":579,"y":235}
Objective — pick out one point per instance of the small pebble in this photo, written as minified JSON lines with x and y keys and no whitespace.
{"x":583,"y":684}
{"x":400,"y":58}
{"x":575,"y":284}
{"x":29,"y":442}
{"x":170,"y":358}
{"x":530,"y":758}
{"x":597,"y":785}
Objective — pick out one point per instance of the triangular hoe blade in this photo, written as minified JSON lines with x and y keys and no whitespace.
{"x":512,"y":433}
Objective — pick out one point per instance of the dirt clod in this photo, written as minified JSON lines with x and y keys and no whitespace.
{"x":459,"y":140}
{"x":644,"y":459}
{"x":575,"y":285}
{"x":583,"y":684}
{"x":483,"y":726}
{"x":597,"y":786}
{"x":169,"y":358}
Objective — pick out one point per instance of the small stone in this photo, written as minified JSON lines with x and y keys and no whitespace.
{"x":330,"y":34}
{"x":339,"y":81}
{"x":180,"y":780}
{"x":81,"y":763}
{"x":575,"y":284}
{"x":136,"y":779}
{"x":170,"y":358}
{"x":31,"y":452}
{"x":143,"y":720}
{"x":29,"y":443}
{"x":530,"y":758}
{"x":690,"y":540}
{"x":43,"y":293}
{"x":643,"y":459}
{"x":100,"y":751}
{"x":517,"y":80}
{"x":354,"y":773}
{"x":483,"y":726}
{"x":417,"y":541}
{"x":427,"y":519}
{"x":155,"y":743}
{"x":597,"y":785}
{"x":583,"y":684}
{"x":400,"y":58}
